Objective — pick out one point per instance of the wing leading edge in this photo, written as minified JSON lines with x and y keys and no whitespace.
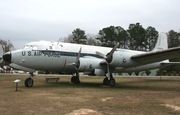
{"x":151,"y":57}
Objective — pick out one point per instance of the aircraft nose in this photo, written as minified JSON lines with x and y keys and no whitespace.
{"x":7,"y":57}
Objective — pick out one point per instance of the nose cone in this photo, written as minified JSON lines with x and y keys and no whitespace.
{"x":7,"y":57}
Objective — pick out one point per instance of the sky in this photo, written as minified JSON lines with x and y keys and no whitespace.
{"x":23,"y":21}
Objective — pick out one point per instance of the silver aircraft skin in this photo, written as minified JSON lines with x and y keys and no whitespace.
{"x":68,"y":58}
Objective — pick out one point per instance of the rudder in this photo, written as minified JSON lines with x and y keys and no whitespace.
{"x":162,"y":42}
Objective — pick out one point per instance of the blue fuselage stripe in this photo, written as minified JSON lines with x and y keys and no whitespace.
{"x":64,"y":53}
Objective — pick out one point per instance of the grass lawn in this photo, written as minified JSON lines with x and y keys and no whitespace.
{"x":130,"y":96}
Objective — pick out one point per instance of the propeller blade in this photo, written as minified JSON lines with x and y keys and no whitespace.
{"x":79,"y":54}
{"x":101,"y":54}
{"x":113,"y":50}
{"x":1,"y":53}
{"x":109,"y":55}
{"x":76,"y":63}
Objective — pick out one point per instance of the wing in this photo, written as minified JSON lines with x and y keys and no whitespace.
{"x":157,"y":56}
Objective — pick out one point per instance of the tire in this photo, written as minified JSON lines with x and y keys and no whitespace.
{"x":73,"y":79}
{"x":29,"y":82}
{"x":77,"y":80}
{"x":112,"y":82}
{"x":105,"y":81}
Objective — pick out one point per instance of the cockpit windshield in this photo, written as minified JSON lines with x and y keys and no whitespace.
{"x":33,"y":47}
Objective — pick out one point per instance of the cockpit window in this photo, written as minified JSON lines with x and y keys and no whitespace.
{"x":26,"y":47}
{"x":33,"y":47}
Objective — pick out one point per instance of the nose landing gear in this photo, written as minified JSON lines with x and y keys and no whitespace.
{"x":29,"y":82}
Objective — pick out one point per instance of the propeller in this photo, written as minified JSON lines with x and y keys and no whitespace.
{"x":76,"y":63}
{"x":2,"y":52}
{"x":77,"y":59}
{"x":108,"y":57}
{"x":101,"y":54}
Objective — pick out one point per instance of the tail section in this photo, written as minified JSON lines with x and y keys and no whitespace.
{"x":162,"y":42}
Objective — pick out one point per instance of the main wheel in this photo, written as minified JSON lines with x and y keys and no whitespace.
{"x":112,"y":82}
{"x":75,"y":79}
{"x":29,"y":82}
{"x":105,"y":81}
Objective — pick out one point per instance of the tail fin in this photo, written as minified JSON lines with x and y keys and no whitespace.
{"x":162,"y":42}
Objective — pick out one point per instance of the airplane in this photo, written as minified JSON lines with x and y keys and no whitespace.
{"x":69,"y":58}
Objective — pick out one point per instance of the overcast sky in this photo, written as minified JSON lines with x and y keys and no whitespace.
{"x":23,"y":21}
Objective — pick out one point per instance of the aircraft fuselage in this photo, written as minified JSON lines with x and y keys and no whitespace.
{"x":58,"y":57}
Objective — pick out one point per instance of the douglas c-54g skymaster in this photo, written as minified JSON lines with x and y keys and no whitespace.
{"x":68,"y":58}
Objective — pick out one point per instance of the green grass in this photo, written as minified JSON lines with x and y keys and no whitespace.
{"x":129,"y":96}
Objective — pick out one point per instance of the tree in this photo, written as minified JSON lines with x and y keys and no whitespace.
{"x":79,"y":36}
{"x":7,"y":45}
{"x":137,"y":40}
{"x":151,"y":37}
{"x":122,"y":36}
{"x":108,"y":36}
{"x":173,"y":39}
{"x":92,"y":41}
{"x":68,"y":39}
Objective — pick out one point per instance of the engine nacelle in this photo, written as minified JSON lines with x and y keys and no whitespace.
{"x":115,"y":59}
{"x":118,"y":59}
{"x":89,"y":64}
{"x":96,"y":72}
{"x":99,"y":72}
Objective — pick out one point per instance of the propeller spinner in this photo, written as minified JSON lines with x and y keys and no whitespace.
{"x":4,"y":56}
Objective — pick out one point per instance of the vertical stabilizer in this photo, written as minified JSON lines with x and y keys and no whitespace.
{"x":162,"y":42}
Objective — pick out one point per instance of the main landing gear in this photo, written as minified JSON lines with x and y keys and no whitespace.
{"x":109,"y":82}
{"x":29,"y":81}
{"x":75,"y":78}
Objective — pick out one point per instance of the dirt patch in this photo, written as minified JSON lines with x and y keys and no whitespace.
{"x":3,"y":109}
{"x":105,"y":99}
{"x":174,"y":107}
{"x":84,"y":112}
{"x":125,"y":100}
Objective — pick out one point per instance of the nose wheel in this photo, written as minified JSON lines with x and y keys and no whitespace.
{"x":29,"y":82}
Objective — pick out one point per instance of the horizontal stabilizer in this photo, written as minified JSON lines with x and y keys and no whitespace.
{"x":166,"y":64}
